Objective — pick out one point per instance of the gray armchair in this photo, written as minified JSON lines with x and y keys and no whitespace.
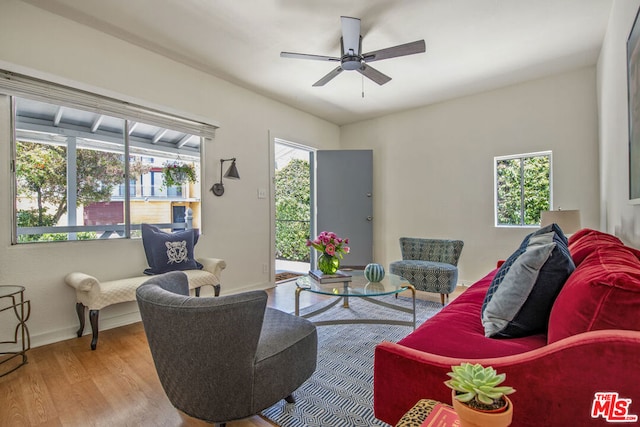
{"x":430,"y":265}
{"x":225,"y":358}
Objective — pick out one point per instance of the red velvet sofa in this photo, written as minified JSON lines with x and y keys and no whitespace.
{"x":592,"y":345}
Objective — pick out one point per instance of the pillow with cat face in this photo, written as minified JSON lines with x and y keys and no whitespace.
{"x":169,"y":251}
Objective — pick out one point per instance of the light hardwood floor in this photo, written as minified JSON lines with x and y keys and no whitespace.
{"x":67,"y":384}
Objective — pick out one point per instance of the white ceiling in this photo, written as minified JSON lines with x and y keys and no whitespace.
{"x":472,"y":45}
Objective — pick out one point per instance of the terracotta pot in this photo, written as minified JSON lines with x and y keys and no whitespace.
{"x":470,"y":417}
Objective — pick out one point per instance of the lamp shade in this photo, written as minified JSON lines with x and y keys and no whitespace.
{"x":569,"y":221}
{"x":232,"y":172}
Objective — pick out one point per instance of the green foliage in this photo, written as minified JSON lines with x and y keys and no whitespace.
{"x":36,"y":218}
{"x":176,"y":174}
{"x":523,"y":189}
{"x":33,"y":218}
{"x":293,"y":211}
{"x":41,"y":173}
{"x":477,"y":382}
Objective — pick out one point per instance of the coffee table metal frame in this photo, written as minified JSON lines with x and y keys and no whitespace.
{"x":358,"y":287}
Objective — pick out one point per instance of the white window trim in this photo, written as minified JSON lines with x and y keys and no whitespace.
{"x":496,"y":159}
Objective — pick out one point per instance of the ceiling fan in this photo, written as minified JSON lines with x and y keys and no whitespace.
{"x":352,"y":57}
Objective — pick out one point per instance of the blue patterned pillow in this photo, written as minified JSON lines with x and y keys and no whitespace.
{"x":169,"y":251}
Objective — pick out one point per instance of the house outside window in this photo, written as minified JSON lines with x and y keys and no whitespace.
{"x":108,"y":169}
{"x":523,"y":185}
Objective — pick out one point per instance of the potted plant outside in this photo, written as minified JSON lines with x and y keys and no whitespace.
{"x":175,"y":173}
{"x":477,"y":396}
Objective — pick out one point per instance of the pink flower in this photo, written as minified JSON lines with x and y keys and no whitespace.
{"x":329,"y":243}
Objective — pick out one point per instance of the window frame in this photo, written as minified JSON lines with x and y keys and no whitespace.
{"x":521,"y":158}
{"x":14,"y":86}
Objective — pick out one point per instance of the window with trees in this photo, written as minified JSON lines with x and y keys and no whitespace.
{"x":522,"y":188}
{"x":82,"y":174}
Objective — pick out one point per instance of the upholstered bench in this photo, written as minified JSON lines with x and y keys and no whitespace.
{"x":94,"y":294}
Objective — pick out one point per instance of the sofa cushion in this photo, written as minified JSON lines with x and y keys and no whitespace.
{"x":585,"y":241}
{"x":602,"y":293}
{"x":457,"y":331}
{"x":169,"y":251}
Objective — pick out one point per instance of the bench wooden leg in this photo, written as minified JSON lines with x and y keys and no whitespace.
{"x":93,"y":319}
{"x":216,"y":290}
{"x":80,"y":311}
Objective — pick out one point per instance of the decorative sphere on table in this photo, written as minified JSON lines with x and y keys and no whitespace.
{"x":374,"y":272}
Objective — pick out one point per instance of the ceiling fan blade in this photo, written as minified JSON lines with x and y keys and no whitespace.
{"x":373,"y":74}
{"x":326,"y":79}
{"x":307,"y":56}
{"x":395,"y":51}
{"x":350,"y":35}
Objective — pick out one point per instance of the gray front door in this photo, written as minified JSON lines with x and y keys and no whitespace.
{"x":344,"y":205}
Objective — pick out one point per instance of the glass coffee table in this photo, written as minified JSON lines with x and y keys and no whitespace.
{"x":358,"y":287}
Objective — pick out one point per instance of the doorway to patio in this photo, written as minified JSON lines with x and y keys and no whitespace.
{"x":293,"y":208}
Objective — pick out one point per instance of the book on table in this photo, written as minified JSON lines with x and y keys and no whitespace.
{"x":441,"y":416}
{"x":338,"y":276}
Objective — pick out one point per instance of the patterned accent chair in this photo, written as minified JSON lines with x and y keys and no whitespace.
{"x":430,"y":265}
{"x":226,"y":358}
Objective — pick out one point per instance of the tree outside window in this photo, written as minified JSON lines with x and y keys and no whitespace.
{"x":523,"y":188}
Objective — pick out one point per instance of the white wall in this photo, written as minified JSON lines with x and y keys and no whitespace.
{"x":618,"y":216}
{"x":433,"y":166}
{"x":235,"y":226}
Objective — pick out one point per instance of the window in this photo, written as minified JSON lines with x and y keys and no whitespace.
{"x":522,"y":188}
{"x":82,"y":175}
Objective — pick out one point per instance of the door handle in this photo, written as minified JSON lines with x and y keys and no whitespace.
{"x":369,"y":218}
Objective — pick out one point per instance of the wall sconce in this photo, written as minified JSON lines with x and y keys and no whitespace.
{"x":232,"y":173}
{"x":569,"y":221}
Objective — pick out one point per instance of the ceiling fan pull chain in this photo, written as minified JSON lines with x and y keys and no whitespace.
{"x":362,"y":78}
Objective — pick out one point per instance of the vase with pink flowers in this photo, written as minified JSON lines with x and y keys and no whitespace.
{"x":332,"y":248}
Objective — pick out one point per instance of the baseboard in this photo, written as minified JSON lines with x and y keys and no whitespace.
{"x":64,"y":334}
{"x":116,"y":320}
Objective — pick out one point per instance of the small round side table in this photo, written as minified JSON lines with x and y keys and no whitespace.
{"x":14,"y":296}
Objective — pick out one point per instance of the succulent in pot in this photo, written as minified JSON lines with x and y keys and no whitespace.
{"x":477,"y":393}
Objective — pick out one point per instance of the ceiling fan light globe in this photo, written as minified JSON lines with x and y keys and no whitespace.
{"x":351,"y":64}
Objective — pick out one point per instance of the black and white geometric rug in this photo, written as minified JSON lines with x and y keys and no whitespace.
{"x":340,"y":392}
